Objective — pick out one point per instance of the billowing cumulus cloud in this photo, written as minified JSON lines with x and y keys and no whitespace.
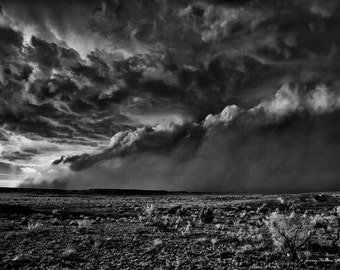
{"x":195,"y":95}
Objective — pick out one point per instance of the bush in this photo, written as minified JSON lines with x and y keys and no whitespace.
{"x":291,"y":233}
{"x":207,"y":215}
{"x":329,"y":230}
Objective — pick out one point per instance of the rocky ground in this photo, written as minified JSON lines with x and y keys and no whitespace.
{"x":171,"y":231}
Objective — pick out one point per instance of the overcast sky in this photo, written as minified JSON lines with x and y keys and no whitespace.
{"x":210,"y":95}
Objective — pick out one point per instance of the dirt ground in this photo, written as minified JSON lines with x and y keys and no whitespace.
{"x":170,"y":231}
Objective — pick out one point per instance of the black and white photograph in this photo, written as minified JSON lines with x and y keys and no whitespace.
{"x":169,"y":134}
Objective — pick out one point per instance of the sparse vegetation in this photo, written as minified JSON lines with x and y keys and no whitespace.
{"x":223,"y":232}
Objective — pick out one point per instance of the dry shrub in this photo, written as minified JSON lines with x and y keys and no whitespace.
{"x":291,"y":233}
{"x":328,"y":230}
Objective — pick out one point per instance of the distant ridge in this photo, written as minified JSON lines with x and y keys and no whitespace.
{"x":141,"y":192}
{"x":127,"y":192}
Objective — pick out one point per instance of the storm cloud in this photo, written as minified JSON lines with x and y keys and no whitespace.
{"x":180,"y":95}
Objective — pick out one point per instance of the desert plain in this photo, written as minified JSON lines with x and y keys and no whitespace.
{"x":117,"y":229}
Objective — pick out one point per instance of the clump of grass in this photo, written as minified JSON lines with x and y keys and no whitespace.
{"x":84,"y":223}
{"x":186,"y":230}
{"x":246,"y":237}
{"x":281,"y":200}
{"x":213,"y":241}
{"x":150,"y":209}
{"x":251,"y":236}
{"x":68,"y":252}
{"x":202,"y":239}
{"x":34,"y":226}
{"x":157,"y":242}
{"x":151,"y":216}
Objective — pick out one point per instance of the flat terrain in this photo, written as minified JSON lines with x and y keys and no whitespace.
{"x":44,"y":230}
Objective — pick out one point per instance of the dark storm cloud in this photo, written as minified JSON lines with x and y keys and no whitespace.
{"x":215,"y":42}
{"x":44,"y":14}
{"x":44,"y":53}
{"x":259,"y":79}
{"x":10,"y":38}
{"x":33,"y":93}
{"x":288,"y":143}
{"x":10,"y":46}
{"x":58,"y":87}
{"x":159,"y":139}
